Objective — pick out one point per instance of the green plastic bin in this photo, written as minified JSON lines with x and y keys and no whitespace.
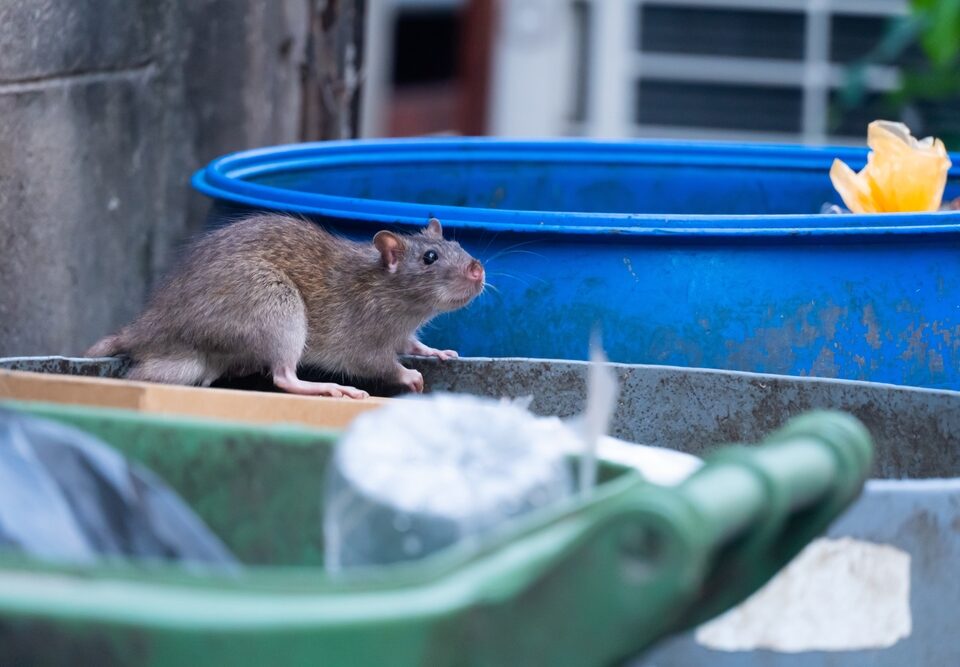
{"x":589,"y":582}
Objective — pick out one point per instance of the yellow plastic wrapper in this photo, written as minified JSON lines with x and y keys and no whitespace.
{"x":903,"y":175}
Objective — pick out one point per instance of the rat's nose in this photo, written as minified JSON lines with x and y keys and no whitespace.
{"x":475,"y":271}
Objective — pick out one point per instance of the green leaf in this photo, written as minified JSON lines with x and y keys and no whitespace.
{"x":941,"y":38}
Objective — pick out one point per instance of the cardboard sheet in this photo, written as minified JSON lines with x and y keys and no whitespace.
{"x":230,"y":404}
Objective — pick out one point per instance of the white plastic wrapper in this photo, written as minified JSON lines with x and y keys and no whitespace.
{"x":426,"y":472}
{"x":665,"y":467}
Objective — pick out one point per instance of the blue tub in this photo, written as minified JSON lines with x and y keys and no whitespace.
{"x":689,"y":254}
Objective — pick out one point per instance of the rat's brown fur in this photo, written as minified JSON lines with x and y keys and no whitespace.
{"x":272,"y":291}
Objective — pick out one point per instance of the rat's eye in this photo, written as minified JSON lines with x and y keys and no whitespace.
{"x":430,"y":256}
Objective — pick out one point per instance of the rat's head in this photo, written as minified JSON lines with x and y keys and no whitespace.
{"x":429,"y":268}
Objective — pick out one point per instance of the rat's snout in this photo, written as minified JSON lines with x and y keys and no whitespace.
{"x":475,"y":271}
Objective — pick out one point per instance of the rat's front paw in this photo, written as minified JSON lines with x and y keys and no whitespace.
{"x":417,"y":348}
{"x":442,"y":355}
{"x":412,"y":380}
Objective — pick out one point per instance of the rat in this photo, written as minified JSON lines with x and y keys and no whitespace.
{"x":274,"y":291}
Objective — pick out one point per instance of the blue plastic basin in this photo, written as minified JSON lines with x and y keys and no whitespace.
{"x":689,"y":254}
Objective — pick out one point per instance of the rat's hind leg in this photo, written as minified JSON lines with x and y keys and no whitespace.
{"x":285,"y":377}
{"x":187,"y":369}
{"x":283,"y":345}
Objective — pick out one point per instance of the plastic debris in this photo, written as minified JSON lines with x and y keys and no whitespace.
{"x":430,"y":471}
{"x":67,"y":497}
{"x":902,"y":174}
{"x":427,"y":472}
{"x":661,"y":466}
{"x":602,"y":392}
{"x":833,"y":209}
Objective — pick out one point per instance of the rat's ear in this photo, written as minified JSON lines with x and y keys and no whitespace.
{"x":434,"y":229}
{"x":391,"y":249}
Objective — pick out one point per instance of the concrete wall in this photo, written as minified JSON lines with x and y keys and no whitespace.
{"x":106,"y":108}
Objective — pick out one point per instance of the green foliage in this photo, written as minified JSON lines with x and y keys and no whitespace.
{"x":934,"y":26}
{"x":940,"y":35}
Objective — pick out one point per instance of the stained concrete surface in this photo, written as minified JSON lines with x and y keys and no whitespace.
{"x":106,"y":109}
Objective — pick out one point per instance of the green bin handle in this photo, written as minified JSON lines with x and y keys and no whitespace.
{"x":760,"y":506}
{"x":657,"y":560}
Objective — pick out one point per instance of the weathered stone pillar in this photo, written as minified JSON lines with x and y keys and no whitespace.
{"x":106,"y":109}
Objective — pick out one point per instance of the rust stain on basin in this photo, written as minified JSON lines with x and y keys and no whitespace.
{"x":869,"y":320}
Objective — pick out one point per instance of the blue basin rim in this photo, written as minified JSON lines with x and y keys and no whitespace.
{"x":225,"y":179}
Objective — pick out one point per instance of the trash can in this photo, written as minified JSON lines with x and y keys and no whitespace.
{"x":908,"y":514}
{"x":691,"y":254}
{"x":911,"y":504}
{"x":587,"y":582}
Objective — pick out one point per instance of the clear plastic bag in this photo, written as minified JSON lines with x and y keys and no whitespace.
{"x":67,"y":497}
